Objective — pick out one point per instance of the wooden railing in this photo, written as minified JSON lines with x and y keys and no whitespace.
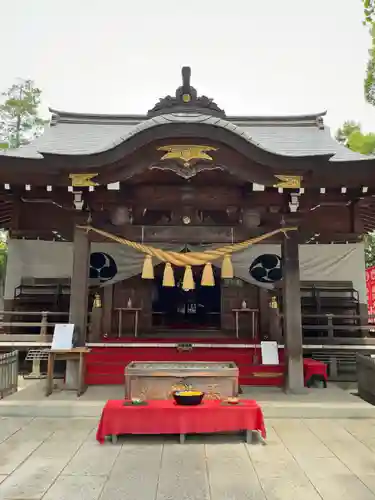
{"x":328,"y":325}
{"x":41,"y":327}
{"x":8,"y":373}
{"x":334,"y":328}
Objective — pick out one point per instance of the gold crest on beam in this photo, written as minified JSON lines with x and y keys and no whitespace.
{"x":186,"y":153}
{"x":82,"y":180}
{"x":288,"y":181}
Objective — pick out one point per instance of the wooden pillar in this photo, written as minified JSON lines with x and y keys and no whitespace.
{"x":292,"y":314}
{"x":107,"y":309}
{"x":79,"y":289}
{"x":264,"y":317}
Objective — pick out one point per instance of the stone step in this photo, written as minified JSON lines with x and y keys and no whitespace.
{"x":290,"y":408}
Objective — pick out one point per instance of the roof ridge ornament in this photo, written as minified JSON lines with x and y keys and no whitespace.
{"x":186,"y":100}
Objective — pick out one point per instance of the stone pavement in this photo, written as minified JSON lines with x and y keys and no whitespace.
{"x":59,"y":459}
{"x":333,"y":402}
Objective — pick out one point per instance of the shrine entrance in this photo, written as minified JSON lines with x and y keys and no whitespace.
{"x":178,"y":309}
{"x":186,"y":172}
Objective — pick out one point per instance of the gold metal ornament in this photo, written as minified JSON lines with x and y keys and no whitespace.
{"x":186,"y":153}
{"x":83,"y":180}
{"x":273,"y":303}
{"x":288,"y":181}
{"x":97,"y":301}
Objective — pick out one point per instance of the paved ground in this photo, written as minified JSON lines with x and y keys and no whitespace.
{"x":59,"y":459}
{"x":333,"y":402}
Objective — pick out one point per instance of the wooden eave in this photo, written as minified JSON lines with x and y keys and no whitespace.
{"x":242,"y":158}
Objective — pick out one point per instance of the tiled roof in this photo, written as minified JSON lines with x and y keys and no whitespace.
{"x":82,"y":134}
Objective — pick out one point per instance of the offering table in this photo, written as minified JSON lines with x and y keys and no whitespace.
{"x":165,"y":417}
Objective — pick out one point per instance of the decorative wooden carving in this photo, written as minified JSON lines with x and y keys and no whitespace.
{"x":289,"y":181}
{"x":187,"y":170}
{"x":251,"y":218}
{"x":186,"y":152}
{"x":186,"y":216}
{"x":202,"y":196}
{"x":121,"y":216}
{"x":192,"y":234}
{"x":82,"y":180}
{"x":186,"y":100}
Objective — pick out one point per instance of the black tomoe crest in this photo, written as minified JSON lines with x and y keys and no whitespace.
{"x":266,"y":268}
{"x":102,"y":266}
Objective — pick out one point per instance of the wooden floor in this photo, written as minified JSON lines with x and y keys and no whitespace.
{"x":187,"y":333}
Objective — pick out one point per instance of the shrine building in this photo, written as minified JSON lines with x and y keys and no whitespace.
{"x":129,"y":227}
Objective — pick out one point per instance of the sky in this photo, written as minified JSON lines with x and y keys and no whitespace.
{"x":254,"y":57}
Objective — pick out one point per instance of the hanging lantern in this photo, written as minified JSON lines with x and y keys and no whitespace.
{"x":97,"y":301}
{"x":273,"y":303}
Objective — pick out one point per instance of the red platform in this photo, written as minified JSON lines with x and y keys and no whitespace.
{"x":165,"y":417}
{"x":106,"y":365}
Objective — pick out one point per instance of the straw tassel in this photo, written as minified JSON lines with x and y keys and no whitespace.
{"x":148,"y":268}
{"x":188,"y":282}
{"x":208,"y":278}
{"x":168,"y":276}
{"x":227,"y":268}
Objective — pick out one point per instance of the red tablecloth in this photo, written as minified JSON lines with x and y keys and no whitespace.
{"x":312,"y":367}
{"x":165,"y":417}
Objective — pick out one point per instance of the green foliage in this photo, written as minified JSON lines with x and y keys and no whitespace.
{"x":3,"y":255}
{"x":346,"y":130}
{"x":369,"y":11}
{"x":351,"y":135}
{"x":362,"y":143}
{"x":370,"y":249}
{"x":369,"y":82}
{"x":20,"y":122}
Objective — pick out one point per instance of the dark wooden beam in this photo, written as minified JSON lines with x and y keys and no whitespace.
{"x":79,"y":284}
{"x":185,"y":234}
{"x":292,"y":315}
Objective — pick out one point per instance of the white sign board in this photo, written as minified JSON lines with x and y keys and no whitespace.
{"x":62,"y":337}
{"x":270,"y":353}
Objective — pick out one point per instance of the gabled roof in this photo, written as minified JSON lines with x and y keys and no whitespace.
{"x":74,"y":134}
{"x":88,"y":134}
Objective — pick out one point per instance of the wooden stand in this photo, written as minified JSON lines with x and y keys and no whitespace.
{"x":133,"y":310}
{"x":76,"y":354}
{"x":253,"y":312}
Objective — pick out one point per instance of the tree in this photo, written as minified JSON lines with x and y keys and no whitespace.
{"x":351,"y":135}
{"x":346,"y":130}
{"x":20,"y":122}
{"x":369,"y":82}
{"x":369,"y":11}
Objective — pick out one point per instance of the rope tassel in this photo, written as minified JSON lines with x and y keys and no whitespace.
{"x":208,"y":278}
{"x":148,"y":268}
{"x":168,"y":276}
{"x":188,"y":282}
{"x":227,"y":267}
